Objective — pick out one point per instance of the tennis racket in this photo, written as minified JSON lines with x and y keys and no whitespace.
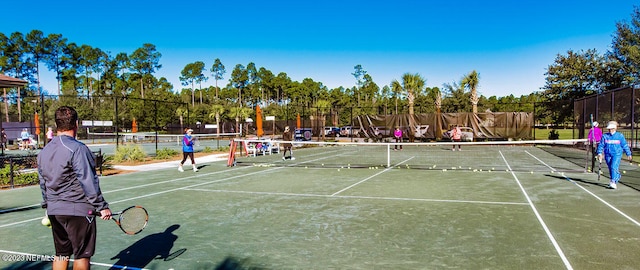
{"x":175,"y":254}
{"x":131,"y":220}
{"x":599,"y":168}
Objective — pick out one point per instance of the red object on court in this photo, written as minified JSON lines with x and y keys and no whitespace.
{"x":231,"y":161}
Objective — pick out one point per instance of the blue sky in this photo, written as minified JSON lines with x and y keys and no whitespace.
{"x":509,"y":43}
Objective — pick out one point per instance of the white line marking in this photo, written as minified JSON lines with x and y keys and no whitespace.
{"x":592,"y":194}
{"x":363,"y":180}
{"x":535,"y":211}
{"x":171,"y":190}
{"x":351,"y":197}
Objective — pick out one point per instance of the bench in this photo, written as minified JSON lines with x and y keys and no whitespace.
{"x":32,"y":144}
{"x":99,"y":160}
{"x":266,"y":147}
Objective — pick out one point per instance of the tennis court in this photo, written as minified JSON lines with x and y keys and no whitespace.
{"x":342,"y":207}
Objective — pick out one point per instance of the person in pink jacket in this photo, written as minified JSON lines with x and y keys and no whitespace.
{"x":595,"y":134}
{"x":456,"y":136}
{"x":397,"y":134}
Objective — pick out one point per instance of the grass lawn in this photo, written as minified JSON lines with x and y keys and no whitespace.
{"x":565,"y":134}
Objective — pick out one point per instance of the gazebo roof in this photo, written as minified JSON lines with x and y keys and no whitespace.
{"x":6,"y":81}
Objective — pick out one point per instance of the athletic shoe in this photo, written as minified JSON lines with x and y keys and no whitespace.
{"x":180,"y":169}
{"x":284,"y":158}
{"x":613,"y":185}
{"x":292,"y":158}
{"x":195,"y":169}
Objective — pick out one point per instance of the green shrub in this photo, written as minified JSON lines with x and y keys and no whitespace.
{"x":129,"y":152}
{"x":207,"y":149}
{"x":165,"y":153}
{"x":19,"y":178}
{"x":107,"y":162}
{"x":24,"y":179}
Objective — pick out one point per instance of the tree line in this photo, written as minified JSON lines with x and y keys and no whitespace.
{"x":86,"y":71}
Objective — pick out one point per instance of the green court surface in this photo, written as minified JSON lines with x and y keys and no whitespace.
{"x":480,"y":208}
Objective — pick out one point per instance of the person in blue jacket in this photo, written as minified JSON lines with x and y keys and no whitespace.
{"x":187,"y":150}
{"x":611,"y":147}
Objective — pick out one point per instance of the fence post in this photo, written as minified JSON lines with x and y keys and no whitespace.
{"x":11,"y":172}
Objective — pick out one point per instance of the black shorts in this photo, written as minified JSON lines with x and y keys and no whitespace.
{"x":74,"y":235}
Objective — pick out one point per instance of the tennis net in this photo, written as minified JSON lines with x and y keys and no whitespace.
{"x":543,"y":155}
{"x":152,"y":137}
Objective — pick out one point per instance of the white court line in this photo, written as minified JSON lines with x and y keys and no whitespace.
{"x":363,"y":180}
{"x":214,"y":181}
{"x":351,"y":197}
{"x":71,"y":260}
{"x":158,"y":193}
{"x":591,"y":193}
{"x":175,"y":189}
{"x":106,"y":192}
{"x":535,"y":211}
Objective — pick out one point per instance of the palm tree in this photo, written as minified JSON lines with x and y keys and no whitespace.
{"x":413,"y":85}
{"x":435,"y":92}
{"x":239,"y":113}
{"x":216,"y":111}
{"x":396,"y":89}
{"x":322,"y":108}
{"x":181,"y":112}
{"x":471,"y":82}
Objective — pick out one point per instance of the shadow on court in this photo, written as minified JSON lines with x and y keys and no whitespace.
{"x":19,"y":209}
{"x":151,"y":247}
{"x":602,"y":183}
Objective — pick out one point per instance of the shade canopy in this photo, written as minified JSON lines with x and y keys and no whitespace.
{"x":259,"y":131}
{"x":134,"y":126}
{"x":37,"y":122}
{"x":6,"y":81}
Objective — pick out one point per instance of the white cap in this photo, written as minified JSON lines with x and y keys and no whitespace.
{"x":612,"y":124}
{"x":595,"y":124}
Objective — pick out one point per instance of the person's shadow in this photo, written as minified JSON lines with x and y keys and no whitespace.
{"x":145,"y":250}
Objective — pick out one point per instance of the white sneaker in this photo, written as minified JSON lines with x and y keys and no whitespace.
{"x":292,"y":158}
{"x":195,"y":169}
{"x":613,"y":185}
{"x":180,"y":169}
{"x":283,"y":158}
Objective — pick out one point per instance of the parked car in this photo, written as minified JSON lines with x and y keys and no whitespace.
{"x":347,"y":131}
{"x":467,"y":134}
{"x":331,"y":131}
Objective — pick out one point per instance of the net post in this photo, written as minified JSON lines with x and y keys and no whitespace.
{"x":388,"y":155}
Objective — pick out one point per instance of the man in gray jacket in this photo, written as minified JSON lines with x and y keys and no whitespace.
{"x":70,"y":189}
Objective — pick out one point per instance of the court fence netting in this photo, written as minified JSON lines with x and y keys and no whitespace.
{"x":152,"y":137}
{"x":530,"y":156}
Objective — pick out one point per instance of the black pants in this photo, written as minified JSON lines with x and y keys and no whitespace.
{"x":185,"y":155}
{"x":398,"y":140}
{"x":594,"y":154}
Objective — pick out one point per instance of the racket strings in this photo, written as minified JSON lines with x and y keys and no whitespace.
{"x":133,"y":220}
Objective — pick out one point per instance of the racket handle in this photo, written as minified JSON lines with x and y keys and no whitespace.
{"x":94,"y":213}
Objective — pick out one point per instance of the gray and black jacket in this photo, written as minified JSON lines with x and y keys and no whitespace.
{"x":68,"y":179}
